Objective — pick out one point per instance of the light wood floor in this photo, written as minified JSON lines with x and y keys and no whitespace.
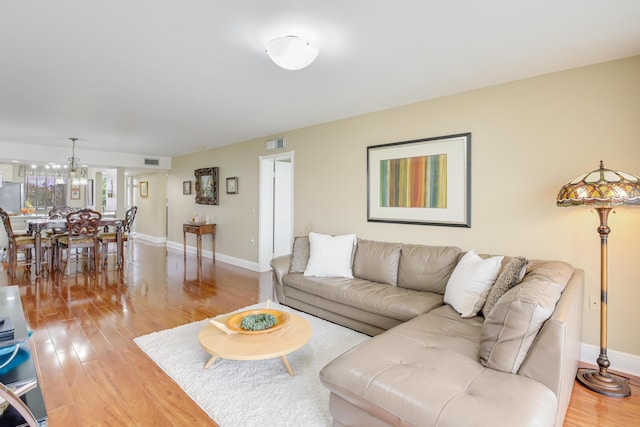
{"x":93,"y":374}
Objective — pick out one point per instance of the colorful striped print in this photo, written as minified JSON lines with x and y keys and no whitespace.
{"x":414,"y":182}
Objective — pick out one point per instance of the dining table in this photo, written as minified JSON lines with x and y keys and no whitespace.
{"x":37,"y":226}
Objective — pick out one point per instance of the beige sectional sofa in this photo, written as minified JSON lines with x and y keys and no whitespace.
{"x":427,"y":365}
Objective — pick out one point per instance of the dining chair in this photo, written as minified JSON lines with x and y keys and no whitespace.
{"x":58,"y":212}
{"x":22,"y":243}
{"x":111,"y":236}
{"x":82,"y":233}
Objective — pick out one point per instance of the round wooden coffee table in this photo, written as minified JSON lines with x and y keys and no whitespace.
{"x":222,"y":343}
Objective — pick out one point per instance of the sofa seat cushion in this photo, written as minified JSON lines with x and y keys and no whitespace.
{"x":386,"y":300}
{"x":426,"y":372}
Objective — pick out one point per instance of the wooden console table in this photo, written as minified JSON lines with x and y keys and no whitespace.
{"x":199,"y":230}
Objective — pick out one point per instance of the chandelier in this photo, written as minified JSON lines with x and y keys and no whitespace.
{"x":73,"y":160}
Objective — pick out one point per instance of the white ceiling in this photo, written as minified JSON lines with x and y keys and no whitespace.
{"x":162,"y":77}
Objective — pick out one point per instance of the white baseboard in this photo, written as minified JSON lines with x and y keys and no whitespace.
{"x":620,"y":362}
{"x":239,"y":262}
{"x":150,"y":240}
{"x":249,"y":265}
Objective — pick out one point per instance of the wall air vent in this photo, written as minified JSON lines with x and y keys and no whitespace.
{"x":275,"y":144}
{"x":151,"y":162}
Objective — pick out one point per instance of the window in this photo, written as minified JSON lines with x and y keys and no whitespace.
{"x":42,"y":192}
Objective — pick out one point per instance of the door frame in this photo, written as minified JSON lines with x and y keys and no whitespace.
{"x":265,"y":210}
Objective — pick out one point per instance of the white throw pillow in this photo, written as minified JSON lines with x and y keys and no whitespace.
{"x":470,"y":283}
{"x":330,"y":256}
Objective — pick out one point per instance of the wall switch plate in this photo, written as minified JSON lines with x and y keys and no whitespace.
{"x":594,"y":303}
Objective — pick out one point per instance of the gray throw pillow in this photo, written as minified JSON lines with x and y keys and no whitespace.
{"x":511,"y":275}
{"x":299,"y":255}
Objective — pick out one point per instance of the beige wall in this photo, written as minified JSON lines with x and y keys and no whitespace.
{"x":151,"y":216}
{"x":528,"y":139}
{"x":236,"y":215}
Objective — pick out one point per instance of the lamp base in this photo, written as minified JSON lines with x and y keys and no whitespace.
{"x":603,"y":384}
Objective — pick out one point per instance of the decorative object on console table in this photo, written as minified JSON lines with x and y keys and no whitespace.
{"x":206,"y":186}
{"x":186,"y":187}
{"x":232,"y":185}
{"x":424,"y":181}
{"x":602,"y":189}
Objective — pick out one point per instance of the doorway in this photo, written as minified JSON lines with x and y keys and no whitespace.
{"x":275,"y":227}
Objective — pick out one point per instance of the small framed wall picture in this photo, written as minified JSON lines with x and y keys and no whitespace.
{"x":144,"y":188}
{"x":186,"y":187}
{"x":75,"y":193}
{"x":232,"y":185}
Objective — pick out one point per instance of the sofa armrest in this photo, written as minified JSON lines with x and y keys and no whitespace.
{"x":280,"y":267}
{"x":554,"y":356}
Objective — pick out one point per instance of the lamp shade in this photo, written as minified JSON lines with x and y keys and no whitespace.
{"x":601,"y":187}
{"x":291,"y":52}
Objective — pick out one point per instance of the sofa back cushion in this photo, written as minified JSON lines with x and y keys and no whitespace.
{"x":427,"y":268}
{"x":515,"y":320}
{"x":377,"y":261}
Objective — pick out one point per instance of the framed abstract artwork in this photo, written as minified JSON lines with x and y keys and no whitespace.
{"x":424,"y":181}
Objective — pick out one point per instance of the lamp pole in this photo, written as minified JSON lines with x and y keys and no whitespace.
{"x":603,"y":230}
{"x":601,"y":381}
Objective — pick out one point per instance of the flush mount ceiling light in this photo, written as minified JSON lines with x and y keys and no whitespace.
{"x":291,"y":52}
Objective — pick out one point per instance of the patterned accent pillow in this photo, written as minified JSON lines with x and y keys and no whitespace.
{"x":299,"y":255}
{"x":511,"y":275}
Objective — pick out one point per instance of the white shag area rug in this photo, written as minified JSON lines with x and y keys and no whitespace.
{"x":253,"y":393}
